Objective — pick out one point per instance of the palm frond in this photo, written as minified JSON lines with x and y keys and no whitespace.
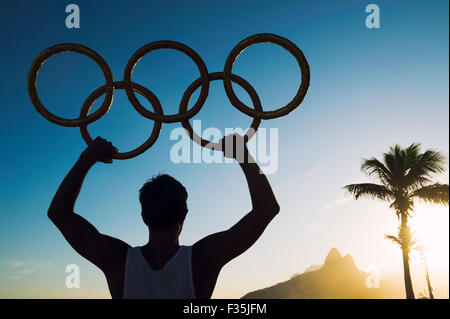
{"x":393,"y":239}
{"x":369,"y":190}
{"x":373,"y":167}
{"x":436,"y":193}
{"x":422,"y":167}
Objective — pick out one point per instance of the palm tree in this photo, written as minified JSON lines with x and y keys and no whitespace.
{"x":404,"y":175}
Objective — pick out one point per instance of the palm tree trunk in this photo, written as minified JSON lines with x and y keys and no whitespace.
{"x":407,"y":275}
{"x":406,"y":270}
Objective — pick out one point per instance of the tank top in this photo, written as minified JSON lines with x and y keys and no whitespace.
{"x":174,"y":280}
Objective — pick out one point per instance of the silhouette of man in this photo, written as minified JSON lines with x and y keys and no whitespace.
{"x":161,"y":268}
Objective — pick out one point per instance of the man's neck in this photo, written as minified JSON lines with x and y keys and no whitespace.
{"x":164,"y":240}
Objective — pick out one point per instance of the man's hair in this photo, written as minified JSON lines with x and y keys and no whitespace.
{"x":163,"y":200}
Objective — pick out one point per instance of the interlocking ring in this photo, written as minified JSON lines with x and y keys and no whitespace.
{"x":139,"y":89}
{"x":39,"y":61}
{"x":286,"y":44}
{"x":212,"y":77}
{"x":184,"y":114}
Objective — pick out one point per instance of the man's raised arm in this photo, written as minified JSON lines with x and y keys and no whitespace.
{"x":81,"y":235}
{"x":222,"y":247}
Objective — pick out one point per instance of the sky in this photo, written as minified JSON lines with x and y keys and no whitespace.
{"x":370,"y":89}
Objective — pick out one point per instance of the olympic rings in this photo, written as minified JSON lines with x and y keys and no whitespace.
{"x":212,"y":77}
{"x":286,"y":44}
{"x":34,"y":70}
{"x":141,"y":90}
{"x":184,"y":114}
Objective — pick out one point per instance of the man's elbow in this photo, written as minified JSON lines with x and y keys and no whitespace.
{"x":54,"y":211}
{"x":271,"y":209}
{"x":276,"y":208}
{"x":51,"y":213}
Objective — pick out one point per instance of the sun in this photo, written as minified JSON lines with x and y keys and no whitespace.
{"x":431,"y":226}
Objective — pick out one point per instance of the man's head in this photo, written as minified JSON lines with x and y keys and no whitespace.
{"x":163,"y":200}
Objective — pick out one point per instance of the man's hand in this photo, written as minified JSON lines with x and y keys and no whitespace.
{"x":99,"y":150}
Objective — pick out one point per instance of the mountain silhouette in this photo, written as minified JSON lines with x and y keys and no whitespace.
{"x":337,"y":278}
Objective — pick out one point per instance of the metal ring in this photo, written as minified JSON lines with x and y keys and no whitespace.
{"x":286,"y":44}
{"x":139,"y":89}
{"x":32,"y":90}
{"x":212,"y":77}
{"x":166,"y":45}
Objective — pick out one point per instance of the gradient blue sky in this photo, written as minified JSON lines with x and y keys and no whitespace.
{"x":369,"y":90}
